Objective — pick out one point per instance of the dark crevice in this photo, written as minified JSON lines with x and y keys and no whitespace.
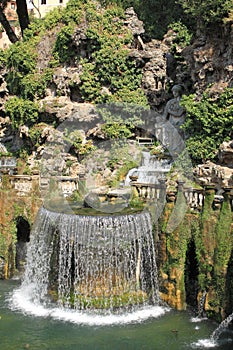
{"x":191,"y":275}
{"x":23,"y":236}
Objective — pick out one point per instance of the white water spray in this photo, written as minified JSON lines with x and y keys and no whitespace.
{"x":91,"y":269}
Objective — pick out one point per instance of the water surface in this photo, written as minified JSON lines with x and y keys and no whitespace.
{"x":171,"y":331}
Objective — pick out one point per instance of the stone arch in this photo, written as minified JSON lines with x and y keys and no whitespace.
{"x":23,"y":237}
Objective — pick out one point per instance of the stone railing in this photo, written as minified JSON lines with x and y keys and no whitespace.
{"x":23,"y":185}
{"x":65,"y":184}
{"x":194,"y":197}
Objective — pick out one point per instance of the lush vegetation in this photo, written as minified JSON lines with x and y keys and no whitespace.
{"x":22,"y":111}
{"x":208,"y":123}
{"x":108,"y":75}
{"x":208,"y":11}
{"x":158,"y":14}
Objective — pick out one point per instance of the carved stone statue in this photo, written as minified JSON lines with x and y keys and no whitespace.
{"x":174,"y":112}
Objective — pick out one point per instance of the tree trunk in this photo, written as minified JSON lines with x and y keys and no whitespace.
{"x":6,"y":25}
{"x":22,"y":12}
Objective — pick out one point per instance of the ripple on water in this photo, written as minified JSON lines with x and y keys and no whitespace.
{"x":21,"y":300}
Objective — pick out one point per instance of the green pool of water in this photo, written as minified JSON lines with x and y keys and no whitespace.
{"x":171,"y":331}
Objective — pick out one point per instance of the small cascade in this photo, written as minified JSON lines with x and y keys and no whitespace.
{"x":201,"y":307}
{"x":3,"y":149}
{"x":92,"y":262}
{"x":223,"y":325}
{"x":151,"y":169}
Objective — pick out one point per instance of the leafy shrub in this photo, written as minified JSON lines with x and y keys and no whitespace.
{"x":34,"y":85}
{"x":116,"y":130}
{"x":120,"y":118}
{"x":208,"y":123}
{"x":21,"y":112}
{"x":183,"y":35}
{"x":80,"y":146}
{"x":21,"y":57}
{"x":209,"y":11}
{"x":63,"y":47}
{"x":2,"y":58}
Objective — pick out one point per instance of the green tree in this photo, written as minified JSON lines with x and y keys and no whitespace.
{"x":156,"y":14}
{"x":208,"y":11}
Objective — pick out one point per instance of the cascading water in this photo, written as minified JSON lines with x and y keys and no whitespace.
{"x":103,"y":263}
{"x":223,"y":325}
{"x":151,"y":169}
{"x":214,"y":338}
{"x":201,"y":307}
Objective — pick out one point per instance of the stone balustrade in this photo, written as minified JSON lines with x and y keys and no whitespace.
{"x":23,"y":185}
{"x":194,"y":197}
{"x":66,"y":185}
{"x":146,"y":191}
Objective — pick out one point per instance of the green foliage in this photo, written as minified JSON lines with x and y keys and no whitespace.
{"x":208,"y":11}
{"x":208,"y":123}
{"x":2,"y":58}
{"x":3,"y":245}
{"x":183,"y":35}
{"x":35,"y":133}
{"x":53,"y":18}
{"x":121,"y":119}
{"x":23,"y":78}
{"x":21,"y":111}
{"x":223,"y":249}
{"x":110,"y":66}
{"x":108,"y":74}
{"x":122,"y":172}
{"x":77,"y":143}
{"x":121,"y":159}
{"x":137,"y":203}
{"x":33,"y":85}
{"x":21,"y":57}
{"x":63,"y":47}
{"x":156,"y":14}
{"x":116,"y":130}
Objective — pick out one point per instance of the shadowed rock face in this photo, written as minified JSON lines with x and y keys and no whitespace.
{"x":225,"y":154}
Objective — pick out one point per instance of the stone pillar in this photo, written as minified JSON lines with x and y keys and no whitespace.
{"x":82,"y":184}
{"x":162,"y":189}
{"x":180,"y":184}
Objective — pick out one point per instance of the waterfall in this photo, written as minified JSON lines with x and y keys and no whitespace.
{"x":92,"y":262}
{"x":151,"y":169}
{"x":202,"y":304}
{"x":223,"y":325}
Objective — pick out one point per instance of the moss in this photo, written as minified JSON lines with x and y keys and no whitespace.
{"x":104,"y":302}
{"x":222,"y":252}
